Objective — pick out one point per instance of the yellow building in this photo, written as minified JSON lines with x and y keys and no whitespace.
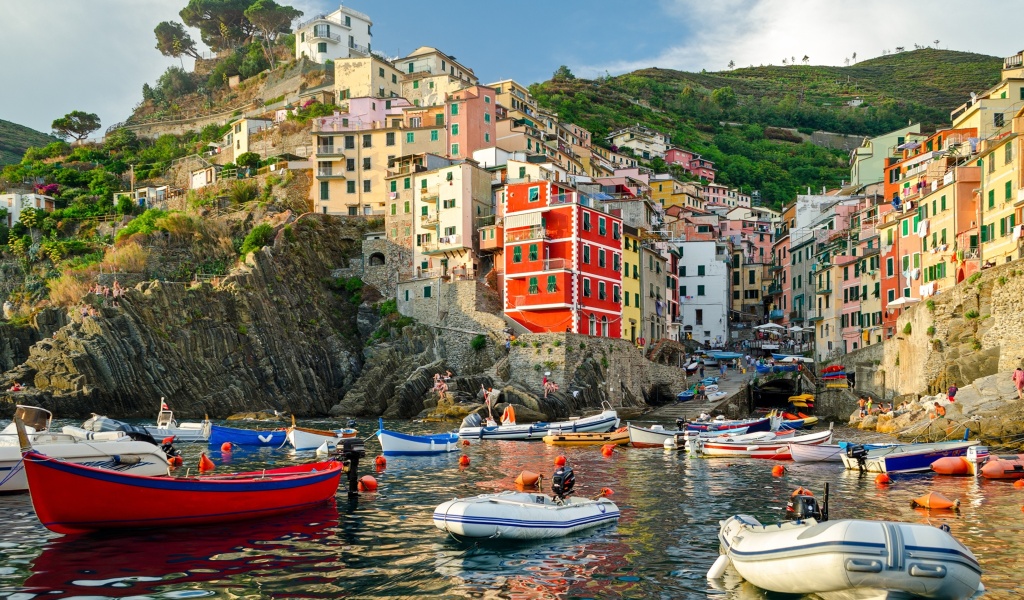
{"x":423,"y":88}
{"x":672,"y":192}
{"x":991,"y":111}
{"x":999,"y":184}
{"x":632,"y":305}
{"x":515,"y":98}
{"x":365,"y":78}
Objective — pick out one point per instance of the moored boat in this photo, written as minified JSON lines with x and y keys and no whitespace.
{"x":750,"y":425}
{"x":474,"y":429}
{"x":247,"y":437}
{"x":990,"y":466}
{"x":774,"y":448}
{"x":167,"y":426}
{"x":304,"y":438}
{"x":817,"y":453}
{"x":808,"y":557}
{"x":902,"y":458}
{"x":394,"y":443}
{"x":618,"y":437}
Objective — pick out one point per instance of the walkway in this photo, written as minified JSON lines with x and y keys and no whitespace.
{"x":731,"y":385}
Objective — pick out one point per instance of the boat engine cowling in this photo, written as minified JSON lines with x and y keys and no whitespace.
{"x":472,"y":420}
{"x":563,"y":482}
{"x":803,"y":507}
{"x":858,"y":453}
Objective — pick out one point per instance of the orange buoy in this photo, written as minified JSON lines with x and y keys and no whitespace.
{"x":205,"y":464}
{"x":608,"y":449}
{"x":1018,"y":484}
{"x":167,"y":440}
{"x":951,"y":465}
{"x":463,"y":461}
{"x":778,"y":471}
{"x":465,"y":442}
{"x":367,"y":483}
{"x":607,"y":491}
{"x":175,"y":461}
{"x":883,"y":479}
{"x":559,"y":461}
{"x":527,"y":479}
{"x":225,"y":447}
{"x":380,"y":461}
{"x":935,"y":500}
{"x":1003,"y":468}
{"x":802,"y":491}
{"x":622,"y":430}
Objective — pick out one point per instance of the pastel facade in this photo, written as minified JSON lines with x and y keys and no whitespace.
{"x":14,"y":204}
{"x":344,"y":33}
{"x":365,"y":77}
{"x":703,"y":276}
{"x":471,"y":121}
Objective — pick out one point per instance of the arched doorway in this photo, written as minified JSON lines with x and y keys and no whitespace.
{"x":377,"y":260}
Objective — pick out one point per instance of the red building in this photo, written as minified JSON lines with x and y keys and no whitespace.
{"x":562,"y":261}
{"x":692,"y":163}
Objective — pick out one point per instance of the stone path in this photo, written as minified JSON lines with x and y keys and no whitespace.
{"x":732,"y":384}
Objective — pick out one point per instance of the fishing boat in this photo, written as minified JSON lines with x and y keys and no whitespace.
{"x":722,"y":425}
{"x":902,"y":458}
{"x":109,"y":450}
{"x":804,"y":453}
{"x":656,"y":435}
{"x":618,"y":437}
{"x":303,"y":438}
{"x":686,"y":395}
{"x":526,"y":515}
{"x":473,"y":428}
{"x":812,"y":557}
{"x":798,"y":423}
{"x":393,"y":443}
{"x":765,"y":369}
{"x":773,"y":448}
{"x":166,"y":426}
{"x":104,"y":499}
{"x":247,"y":437}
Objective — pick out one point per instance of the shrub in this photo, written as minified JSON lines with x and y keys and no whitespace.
{"x":604,"y":362}
{"x":975,"y":344}
{"x":260,"y":236}
{"x":537,"y":367}
{"x":930,"y":331}
{"x":536,"y":344}
{"x":907,"y":329}
{"x":130,"y":258}
{"x":971,"y":314}
{"x":244,"y":191}
{"x":583,"y":346}
{"x":1002,"y":280}
{"x":558,"y":343}
{"x":289,"y":233}
{"x":973,"y":278}
{"x":68,"y":289}
{"x":388,"y":307}
{"x":353,"y":285}
{"x":243,"y":330}
{"x":930,"y":304}
{"x":937,"y":345}
{"x":144,"y":223}
{"x":478,"y":343}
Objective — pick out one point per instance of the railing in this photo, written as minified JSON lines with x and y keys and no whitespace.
{"x":323,"y":17}
{"x":429,"y":218}
{"x":555,"y":264}
{"x":330,"y":151}
{"x":773,"y":289}
{"x":359,"y":48}
{"x":446,"y":241}
{"x":775,"y":314}
{"x":325,"y":36}
{"x":1013,"y":61}
{"x":537,"y":232}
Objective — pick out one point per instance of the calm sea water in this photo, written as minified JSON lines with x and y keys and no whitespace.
{"x":384,"y":544}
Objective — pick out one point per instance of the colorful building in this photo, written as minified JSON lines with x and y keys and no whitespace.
{"x":471,"y":121}
{"x":344,"y":33}
{"x":632,"y":311}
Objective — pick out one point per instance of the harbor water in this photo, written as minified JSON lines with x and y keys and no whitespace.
{"x":384,"y":544}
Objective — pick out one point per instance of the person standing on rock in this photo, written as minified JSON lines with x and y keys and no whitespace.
{"x":871,"y":402}
{"x":861,"y":403}
{"x":1018,"y":380}
{"x":951,"y":393}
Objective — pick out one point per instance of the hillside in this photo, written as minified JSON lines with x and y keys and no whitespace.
{"x":15,"y":139}
{"x":921,"y":85}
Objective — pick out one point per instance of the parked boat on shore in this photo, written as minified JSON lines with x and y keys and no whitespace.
{"x":772,"y":448}
{"x":394,"y":443}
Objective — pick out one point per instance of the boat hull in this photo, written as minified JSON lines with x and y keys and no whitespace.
{"x":127,"y":456}
{"x":521,"y":516}
{"x":311,"y":439}
{"x":587,"y":439}
{"x":110,"y":500}
{"x":750,"y":425}
{"x":247,"y":437}
{"x":908,"y":458}
{"x":809,"y":557}
{"x":820,"y":453}
{"x":775,"y":450}
{"x":184,"y":432}
{"x":393,"y":443}
{"x":605,"y":421}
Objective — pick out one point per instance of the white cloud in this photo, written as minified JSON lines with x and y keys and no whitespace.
{"x":761,"y":32}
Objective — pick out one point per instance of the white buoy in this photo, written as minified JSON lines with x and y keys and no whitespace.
{"x":323,"y":449}
{"x":717,"y":570}
{"x":670,"y":444}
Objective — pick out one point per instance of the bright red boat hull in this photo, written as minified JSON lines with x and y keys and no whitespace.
{"x":71,"y":498}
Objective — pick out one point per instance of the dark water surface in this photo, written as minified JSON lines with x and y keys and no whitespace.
{"x":385,"y":544}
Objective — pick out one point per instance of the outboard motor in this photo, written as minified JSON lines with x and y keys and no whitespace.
{"x":351,"y":450}
{"x":472,"y":420}
{"x":858,"y":453}
{"x":802,"y":507}
{"x":680,"y":423}
{"x":563,"y":482}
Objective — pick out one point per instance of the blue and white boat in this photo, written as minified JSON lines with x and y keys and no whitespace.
{"x":725,"y":355}
{"x":522,"y":515}
{"x":764,"y":369}
{"x":247,"y":437}
{"x":393,"y":443}
{"x":473,"y":429}
{"x":906,"y":458}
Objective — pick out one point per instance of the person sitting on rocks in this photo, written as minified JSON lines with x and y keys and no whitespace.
{"x":448,"y":375}
{"x":940,"y":411}
{"x":16,"y":387}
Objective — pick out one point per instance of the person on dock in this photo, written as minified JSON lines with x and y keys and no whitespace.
{"x":701,"y":369}
{"x":1018,"y":380}
{"x":951,"y":393}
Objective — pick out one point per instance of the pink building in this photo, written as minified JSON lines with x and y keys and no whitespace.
{"x":723,"y":195}
{"x":363,"y":113}
{"x":471,"y":120}
{"x":692,"y":163}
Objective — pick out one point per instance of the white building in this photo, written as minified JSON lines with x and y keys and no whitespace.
{"x":646,"y":143}
{"x":15,"y":203}
{"x":344,"y":33}
{"x":704,"y":292}
{"x":447,"y":202}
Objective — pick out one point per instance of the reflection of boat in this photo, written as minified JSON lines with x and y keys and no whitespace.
{"x":303,"y":438}
{"x":902,"y":458}
{"x":617,"y":437}
{"x":166,"y":426}
{"x":522,"y":515}
{"x":472,"y":427}
{"x":393,"y":443}
{"x":247,"y":437}
{"x":81,"y":566}
{"x":808,"y":557}
{"x":103,"y":499}
{"x":110,"y":450}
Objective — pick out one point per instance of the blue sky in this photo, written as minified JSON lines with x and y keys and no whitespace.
{"x":96,"y":54}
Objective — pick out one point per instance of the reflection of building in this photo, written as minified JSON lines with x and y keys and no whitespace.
{"x":344,"y":33}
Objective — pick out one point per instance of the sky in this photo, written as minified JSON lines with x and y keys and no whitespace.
{"x":94,"y":55}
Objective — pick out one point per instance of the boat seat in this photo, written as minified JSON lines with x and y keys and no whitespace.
{"x":816,"y":529}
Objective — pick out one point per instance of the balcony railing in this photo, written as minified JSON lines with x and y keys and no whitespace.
{"x":445,"y":242}
{"x":323,"y":35}
{"x":326,"y":173}
{"x":329,"y":151}
{"x":773,"y":289}
{"x":429,"y":219}
{"x":360,"y":48}
{"x":776,"y":314}
{"x":537,"y":232}
{"x":555,"y":264}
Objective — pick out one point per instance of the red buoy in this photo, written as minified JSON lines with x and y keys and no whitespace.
{"x":778,"y":471}
{"x":608,"y":449}
{"x":951,"y":465}
{"x":367,"y":483}
{"x":205,"y":464}
{"x":225,"y":447}
{"x":883,"y":479}
{"x":559,"y":461}
{"x":1018,"y":484}
{"x":463,"y":461}
{"x":380,"y":461}
{"x":465,"y":442}
{"x":175,"y":461}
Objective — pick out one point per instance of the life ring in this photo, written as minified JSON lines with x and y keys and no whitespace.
{"x":509,"y":416}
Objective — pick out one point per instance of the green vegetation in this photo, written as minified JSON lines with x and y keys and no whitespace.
{"x":388,"y":307}
{"x":975,"y":344}
{"x":144,"y":223}
{"x":973,"y":278}
{"x":971,"y":314}
{"x":930,"y":331}
{"x":260,"y":236}
{"x":76,"y":124}
{"x":930,"y":305}
{"x":478,"y":343}
{"x":16,"y":139}
{"x":907,"y":329}
{"x":732,"y":118}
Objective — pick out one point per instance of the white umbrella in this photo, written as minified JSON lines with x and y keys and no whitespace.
{"x":796,"y":328}
{"x":770,"y":326}
{"x":903,"y":301}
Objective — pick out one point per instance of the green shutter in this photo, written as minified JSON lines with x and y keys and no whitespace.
{"x":517,"y":254}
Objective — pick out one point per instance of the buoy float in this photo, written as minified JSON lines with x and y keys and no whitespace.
{"x":527,"y":479}
{"x":1018,"y":484}
{"x":883,"y":479}
{"x":465,"y":442}
{"x":225,"y":447}
{"x":935,"y":500}
{"x":463,"y":461}
{"x":175,"y":461}
{"x":559,"y":461}
{"x":205,"y":464}
{"x":608,"y":449}
{"x":717,"y":570}
{"x":802,"y":491}
{"x":167,"y":441}
{"x":367,"y":483}
{"x":778,"y":471}
{"x":605,"y":492}
{"x":380,"y":461}
{"x":951,"y":465}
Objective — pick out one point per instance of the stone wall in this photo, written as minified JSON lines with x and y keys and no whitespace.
{"x":866,"y":366}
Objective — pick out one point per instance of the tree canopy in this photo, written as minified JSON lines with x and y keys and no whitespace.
{"x":172,"y":40}
{"x":76,"y":124}
{"x":271,"y":18}
{"x":221,"y":23}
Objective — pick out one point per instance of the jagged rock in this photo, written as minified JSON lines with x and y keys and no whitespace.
{"x":869,"y":422}
{"x":255,"y":416}
{"x":367,"y":320}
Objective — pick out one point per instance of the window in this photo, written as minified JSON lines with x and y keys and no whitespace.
{"x":423,"y":184}
{"x":533,"y":252}
{"x":433,"y":135}
{"x":626,"y":299}
{"x":700,"y":290}
{"x":448,"y":203}
{"x":350,"y":142}
{"x":552,"y":283}
{"x":615,"y":262}
{"x":601,"y":295}
{"x":394,"y":78}
{"x":615,"y":231}
{"x":367,"y":140}
{"x":635,"y":275}
{"x":439,"y":120}
{"x":455,"y":129}
{"x":366,"y":163}
{"x":380,"y":72}
{"x":366,"y":185}
{"x":416,"y":84}
{"x":586,"y":288}
{"x":700,"y":270}
{"x":593,"y":324}
{"x":891,"y":295}
{"x":517,"y":254}
{"x":534,"y":288}
{"x":1008,"y":188}
{"x":682,"y":271}
{"x":533,"y":194}
{"x":324,"y":190}
{"x":321,"y":47}
{"x":735,"y":277}
{"x":455,"y":109}
{"x":586,"y":221}
{"x":394,"y":208}
{"x":410,"y":137}
{"x":406,"y":183}
{"x":455,"y":149}
{"x":1008,"y":153}
{"x":991,"y":198}
{"x":426,"y":291}
{"x":586,"y":254}
{"x":390,"y":139}
{"x":601,"y":227}
{"x":394,"y":186}
{"x":998,"y":119}
{"x":487,"y":137}
{"x":487,"y":117}
{"x":600,"y":259}
{"x":448,"y":231}
{"x":682,"y":290}
{"x":750,"y":277}
{"x":350,"y":187}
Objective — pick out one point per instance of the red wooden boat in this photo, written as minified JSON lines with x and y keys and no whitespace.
{"x":72,"y":498}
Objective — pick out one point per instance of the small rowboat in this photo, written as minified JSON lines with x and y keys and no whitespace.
{"x":905,"y":458}
{"x":522,"y":515}
{"x":302,"y":438}
{"x":105,"y":499}
{"x":751,"y":425}
{"x":247,"y":437}
{"x":618,"y":437}
{"x":772,"y":449}
{"x":393,"y":443}
{"x":166,"y":426}
{"x":473,"y":429}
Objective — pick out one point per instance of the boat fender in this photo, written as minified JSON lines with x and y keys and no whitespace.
{"x":778,"y":471}
{"x":463,"y":461}
{"x":225,"y":447}
{"x":670,"y":444}
{"x":717,"y":570}
{"x":175,"y":461}
{"x":126,"y":460}
{"x":608,"y":449}
{"x":367,"y":483}
{"x":559,"y":461}
{"x":883,"y":479}
{"x":935,"y":500}
{"x":167,"y":441}
{"x":605,"y":492}
{"x":205,"y":464}
{"x":380,"y":461}
{"x":528,"y":480}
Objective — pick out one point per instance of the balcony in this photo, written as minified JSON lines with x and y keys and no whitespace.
{"x":324,"y":34}
{"x":330,"y":151}
{"x":491,"y":237}
{"x":532,"y":267}
{"x":537,"y":232}
{"x":446,"y":243}
{"x":776,"y":267}
{"x":796,"y":315}
{"x":825,"y":290}
{"x":773,"y":289}
{"x":429,"y":220}
{"x":361,"y":49}
{"x":329,"y":174}
{"x":777,"y":313}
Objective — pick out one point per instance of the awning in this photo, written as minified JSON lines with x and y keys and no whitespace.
{"x":903,"y":301}
{"x":523,"y":220}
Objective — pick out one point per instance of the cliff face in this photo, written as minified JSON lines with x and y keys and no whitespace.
{"x":270,"y":336}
